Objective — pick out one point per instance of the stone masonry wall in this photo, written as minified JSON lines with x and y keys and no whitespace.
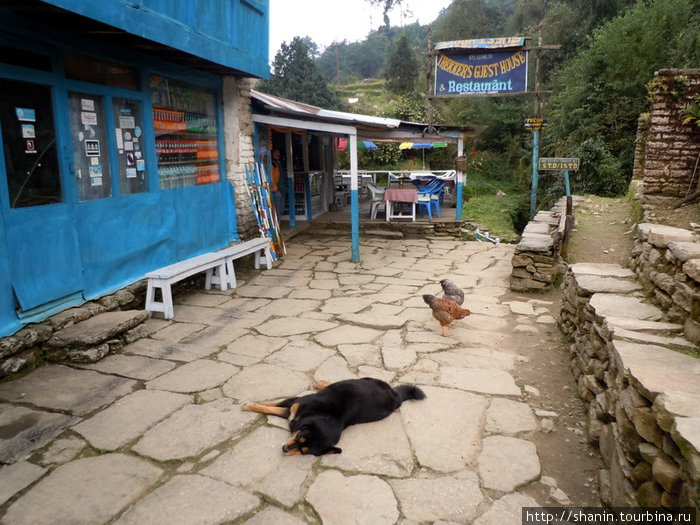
{"x":630,"y":359}
{"x":43,"y":340}
{"x":238,"y":133}
{"x":672,"y":147}
{"x":537,"y":257}
{"x":666,"y":262}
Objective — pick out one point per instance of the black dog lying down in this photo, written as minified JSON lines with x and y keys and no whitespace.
{"x":317,"y":420}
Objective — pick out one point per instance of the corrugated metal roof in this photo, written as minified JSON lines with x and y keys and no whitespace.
{"x":368,"y":127}
{"x":339,"y":117}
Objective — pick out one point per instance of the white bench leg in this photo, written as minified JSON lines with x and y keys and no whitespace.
{"x":151,"y":304}
{"x":217,"y":277}
{"x":259,"y":256}
{"x":166,"y":305}
{"x":230,"y":273}
{"x":168,"y":309}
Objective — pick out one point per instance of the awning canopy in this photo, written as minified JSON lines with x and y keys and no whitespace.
{"x":270,"y":109}
{"x":422,"y":145}
{"x":341,"y":144}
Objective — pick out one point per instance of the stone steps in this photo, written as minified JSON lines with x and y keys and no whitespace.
{"x":90,"y":340}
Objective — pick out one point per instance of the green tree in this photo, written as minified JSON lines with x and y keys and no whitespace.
{"x":352,"y":61}
{"x":295,"y":76}
{"x":467,"y":19}
{"x":402,"y":68}
{"x":387,"y":5}
{"x":600,"y":94}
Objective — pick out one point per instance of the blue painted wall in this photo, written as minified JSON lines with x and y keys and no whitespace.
{"x":233,"y":33}
{"x":80,"y":250}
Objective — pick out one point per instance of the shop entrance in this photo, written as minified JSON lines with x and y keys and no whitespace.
{"x":40,"y":230}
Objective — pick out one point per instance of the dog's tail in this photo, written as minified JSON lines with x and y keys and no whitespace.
{"x":409,"y":392}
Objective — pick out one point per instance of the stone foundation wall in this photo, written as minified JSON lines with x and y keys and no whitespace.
{"x":37,"y":342}
{"x":640,"y":146}
{"x":672,"y":147}
{"x":632,"y":364}
{"x":537,"y":257}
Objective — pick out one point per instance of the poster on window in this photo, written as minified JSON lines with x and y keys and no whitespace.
{"x":90,"y":150}
{"x":130,"y":153}
{"x":489,"y":66}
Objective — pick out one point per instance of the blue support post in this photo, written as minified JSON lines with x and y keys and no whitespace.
{"x":566,"y":183}
{"x":354,"y":201}
{"x":355,"y":212}
{"x":459,"y":204}
{"x":535,"y":157}
{"x":458,"y":183}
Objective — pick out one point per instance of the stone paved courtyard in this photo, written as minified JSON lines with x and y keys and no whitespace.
{"x":155,"y":434}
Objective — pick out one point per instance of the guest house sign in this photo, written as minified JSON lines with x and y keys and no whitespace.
{"x":486,"y":66}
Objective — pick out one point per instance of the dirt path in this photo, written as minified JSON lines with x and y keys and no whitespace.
{"x":604,"y":231}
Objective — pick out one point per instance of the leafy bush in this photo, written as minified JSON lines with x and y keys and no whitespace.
{"x":386,"y":155}
{"x":520,"y":214}
{"x":599,"y":95}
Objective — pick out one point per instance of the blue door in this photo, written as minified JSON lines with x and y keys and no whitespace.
{"x":39,"y":228}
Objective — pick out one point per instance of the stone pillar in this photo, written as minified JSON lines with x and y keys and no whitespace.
{"x":672,"y":146}
{"x":238,"y":136}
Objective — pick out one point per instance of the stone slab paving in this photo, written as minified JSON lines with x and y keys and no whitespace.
{"x":156,"y":433}
{"x":24,"y":429}
{"x":129,"y":418}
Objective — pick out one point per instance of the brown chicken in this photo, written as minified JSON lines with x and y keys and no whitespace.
{"x":445,"y":311}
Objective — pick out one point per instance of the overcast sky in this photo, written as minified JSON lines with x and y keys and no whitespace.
{"x":326,"y":21}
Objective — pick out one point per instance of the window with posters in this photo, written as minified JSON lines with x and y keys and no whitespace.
{"x":90,"y":148}
{"x":184,"y":118}
{"x":29,"y":140}
{"x":131,"y":156}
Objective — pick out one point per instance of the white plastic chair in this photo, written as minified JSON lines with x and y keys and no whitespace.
{"x":377,"y":199}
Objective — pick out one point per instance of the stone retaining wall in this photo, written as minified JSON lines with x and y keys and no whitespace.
{"x":628,"y":358}
{"x":537,"y":257}
{"x":666,"y":262}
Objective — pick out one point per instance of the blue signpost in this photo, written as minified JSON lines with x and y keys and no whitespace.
{"x":535,"y":174}
{"x":535,"y":125}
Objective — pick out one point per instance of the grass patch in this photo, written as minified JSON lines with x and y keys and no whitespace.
{"x":494,"y":205}
{"x":688,"y":352}
{"x":371,"y":95}
{"x":494,"y":213}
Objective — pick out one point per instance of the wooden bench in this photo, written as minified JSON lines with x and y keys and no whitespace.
{"x":217,"y":265}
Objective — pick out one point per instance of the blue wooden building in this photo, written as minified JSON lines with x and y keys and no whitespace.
{"x":114,"y":158}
